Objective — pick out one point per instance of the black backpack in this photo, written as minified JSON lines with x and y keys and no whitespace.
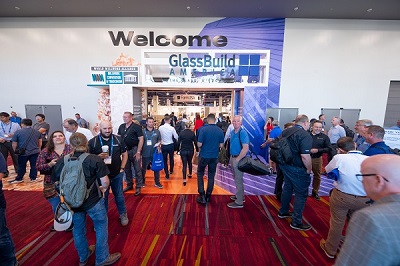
{"x":280,"y":151}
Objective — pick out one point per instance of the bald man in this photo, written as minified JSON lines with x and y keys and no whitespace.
{"x":373,"y":236}
{"x":112,"y":149}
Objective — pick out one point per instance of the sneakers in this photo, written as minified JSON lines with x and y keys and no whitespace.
{"x":171,"y":172}
{"x":33,"y":180}
{"x":201,"y":200}
{"x":285,"y":215}
{"x":128,"y":188}
{"x":111,"y":259}
{"x":158,"y":186}
{"x":301,"y":227}
{"x":137,"y":193}
{"x":315,"y":196}
{"x":322,"y":245}
{"x":234,"y":205}
{"x":190,"y":176}
{"x":91,"y":251}
{"x":124,"y":219}
{"x":234,"y":198}
{"x":15,"y":181}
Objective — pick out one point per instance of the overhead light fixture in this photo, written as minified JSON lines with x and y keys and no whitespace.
{"x":17,"y":8}
{"x":296,"y":8}
{"x":369,"y":10}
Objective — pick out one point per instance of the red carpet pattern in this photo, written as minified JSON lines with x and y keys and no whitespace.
{"x":175,"y":230}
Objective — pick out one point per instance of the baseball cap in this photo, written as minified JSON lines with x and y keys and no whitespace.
{"x":62,"y":217}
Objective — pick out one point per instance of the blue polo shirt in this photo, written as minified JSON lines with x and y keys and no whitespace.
{"x":210,"y":136}
{"x":378,"y":148}
{"x":275,"y":132}
{"x":235,"y":147}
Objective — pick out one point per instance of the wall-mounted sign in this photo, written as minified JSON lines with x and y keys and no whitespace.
{"x":115,"y":75}
{"x":392,"y":138}
{"x":186,"y":98}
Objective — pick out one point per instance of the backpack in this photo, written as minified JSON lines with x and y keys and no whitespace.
{"x":73,"y":185}
{"x":281,"y":152}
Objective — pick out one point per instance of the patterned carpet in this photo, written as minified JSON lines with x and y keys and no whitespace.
{"x":175,"y":230}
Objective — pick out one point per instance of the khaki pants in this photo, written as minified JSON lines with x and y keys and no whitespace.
{"x":316,"y":169}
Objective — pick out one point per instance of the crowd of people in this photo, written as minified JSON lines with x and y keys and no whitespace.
{"x":109,"y":158}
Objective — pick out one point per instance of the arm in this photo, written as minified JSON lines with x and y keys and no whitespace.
{"x":14,"y":145}
{"x":124,"y":160}
{"x":175,"y":134}
{"x":105,"y":183}
{"x":40,"y":143}
{"x":306,"y":158}
{"x":331,"y":165}
{"x":243,"y":152}
{"x":139,"y":149}
{"x":42,"y":130}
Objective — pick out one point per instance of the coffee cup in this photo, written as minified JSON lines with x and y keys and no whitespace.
{"x":104,"y":148}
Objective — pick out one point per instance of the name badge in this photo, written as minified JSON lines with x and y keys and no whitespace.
{"x":107,"y":160}
{"x":5,"y":135}
{"x":149,"y":143}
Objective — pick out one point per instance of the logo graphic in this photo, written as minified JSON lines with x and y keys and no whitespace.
{"x":98,"y":77}
{"x":249,"y":65}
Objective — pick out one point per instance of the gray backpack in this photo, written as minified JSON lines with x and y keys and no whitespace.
{"x":73,"y":185}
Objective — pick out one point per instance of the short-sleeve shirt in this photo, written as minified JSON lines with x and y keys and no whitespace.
{"x":378,"y":148}
{"x":150,"y":139}
{"x":44,"y":125}
{"x":7,"y":129}
{"x":275,"y":132}
{"x":235,"y":146}
{"x":116,"y":149}
{"x":3,"y":169}
{"x":22,"y":136}
{"x":210,"y":136}
{"x":94,"y":169}
{"x":130,"y":135}
{"x":300,"y":142}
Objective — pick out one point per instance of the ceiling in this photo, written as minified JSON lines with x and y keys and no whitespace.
{"x":325,"y":9}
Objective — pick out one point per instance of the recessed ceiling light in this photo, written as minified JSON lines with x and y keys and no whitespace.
{"x":296,"y":8}
{"x":17,"y":8}
{"x":369,"y":10}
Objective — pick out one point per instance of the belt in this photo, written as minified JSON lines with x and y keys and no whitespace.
{"x":351,"y":194}
{"x":234,"y":156}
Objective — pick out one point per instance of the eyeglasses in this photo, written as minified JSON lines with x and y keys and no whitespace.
{"x":360,"y":177}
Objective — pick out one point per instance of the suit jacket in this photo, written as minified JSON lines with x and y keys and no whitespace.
{"x":373,"y":235}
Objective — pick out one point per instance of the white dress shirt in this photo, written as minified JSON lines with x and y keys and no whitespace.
{"x":348,"y":165}
{"x":167,"y":131}
{"x":88,"y":134}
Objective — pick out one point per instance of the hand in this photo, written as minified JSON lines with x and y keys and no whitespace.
{"x":263,"y":145}
{"x":137,"y":156}
{"x":2,"y":140}
{"x":103,"y":189}
{"x":314,"y":150}
{"x":197,"y":154}
{"x":103,"y":155}
{"x":52,"y":162}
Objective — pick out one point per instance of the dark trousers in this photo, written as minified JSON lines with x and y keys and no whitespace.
{"x":296,"y":180}
{"x":5,"y":149}
{"x":7,"y":250}
{"x":186,"y":157}
{"x":212,"y":168}
{"x":145,"y":163}
{"x":332,"y":152}
{"x":278,"y":183}
{"x":168,"y":151}
{"x":22,"y":160}
{"x":137,"y":168}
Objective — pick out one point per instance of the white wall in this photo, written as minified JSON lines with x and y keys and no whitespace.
{"x":326,"y":63}
{"x":340,"y":63}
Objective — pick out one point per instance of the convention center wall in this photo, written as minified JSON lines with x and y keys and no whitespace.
{"x":314,"y":63}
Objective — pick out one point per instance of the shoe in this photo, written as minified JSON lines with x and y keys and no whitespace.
{"x":91,"y":251}
{"x":184,"y":183}
{"x":6,"y":175}
{"x":52,"y":229}
{"x":201,"y":199}
{"x":315,"y":196}
{"x":167,"y":177}
{"x":111,"y":259}
{"x":234,"y":198}
{"x":301,"y":227}
{"x":33,"y":180}
{"x":171,"y":173}
{"x":124,"y":219}
{"x":158,"y":186}
{"x":142,"y":186}
{"x":208,"y":198}
{"x":234,"y":205}
{"x":190,"y":176}
{"x":322,"y":245}
{"x":286,"y":215}
{"x":15,"y":181}
{"x":137,"y":193}
{"x":128,"y":188}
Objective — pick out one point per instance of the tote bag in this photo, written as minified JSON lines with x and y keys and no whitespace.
{"x":157,"y":164}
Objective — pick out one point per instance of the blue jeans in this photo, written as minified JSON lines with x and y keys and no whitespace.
{"x":7,"y":250}
{"x":22,"y":160}
{"x":54,"y":203}
{"x":99,"y":216}
{"x":187,"y":157}
{"x":296,"y":180}
{"x":168,"y":150}
{"x":145,"y":162}
{"x":116,"y":186}
{"x":212,"y":168}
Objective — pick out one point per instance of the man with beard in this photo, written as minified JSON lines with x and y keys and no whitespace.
{"x":110,"y":148}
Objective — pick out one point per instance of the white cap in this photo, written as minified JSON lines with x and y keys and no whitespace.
{"x":62,"y":217}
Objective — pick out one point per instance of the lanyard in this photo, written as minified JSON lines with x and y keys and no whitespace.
{"x":152,"y":135}
{"x":9,"y":130}
{"x":110,"y":150}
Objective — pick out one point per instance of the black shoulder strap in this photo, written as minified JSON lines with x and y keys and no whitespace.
{"x":27,"y":142}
